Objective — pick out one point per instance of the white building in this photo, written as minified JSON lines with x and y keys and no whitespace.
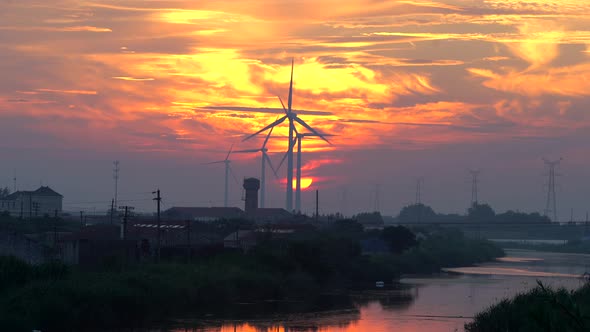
{"x":31,"y":204}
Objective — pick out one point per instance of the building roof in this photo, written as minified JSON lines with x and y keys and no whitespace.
{"x":271,"y":214}
{"x":204,"y":212}
{"x":46,"y":191}
{"x":95,"y":232}
{"x":42,"y":191}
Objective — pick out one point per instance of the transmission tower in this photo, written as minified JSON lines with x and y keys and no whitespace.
{"x":419,"y":182}
{"x":551,"y":203}
{"x":116,"y":178}
{"x":377,"y":197}
{"x":474,"y":180}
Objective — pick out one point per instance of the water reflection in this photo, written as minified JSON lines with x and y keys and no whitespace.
{"x":435,"y":304}
{"x":367,"y":302}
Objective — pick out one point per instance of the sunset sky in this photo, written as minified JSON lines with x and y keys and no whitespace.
{"x":408,"y":89}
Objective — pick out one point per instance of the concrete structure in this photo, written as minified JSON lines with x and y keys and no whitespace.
{"x":251,"y":185}
{"x":32,"y":204}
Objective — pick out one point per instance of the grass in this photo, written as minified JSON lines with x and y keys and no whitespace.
{"x":541,"y":309}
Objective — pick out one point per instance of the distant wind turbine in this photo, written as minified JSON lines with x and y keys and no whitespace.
{"x":289,"y":114}
{"x":226,"y":161}
{"x":264,"y":160}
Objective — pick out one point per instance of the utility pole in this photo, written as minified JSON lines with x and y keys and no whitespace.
{"x":30,"y":205}
{"x":317,"y":205}
{"x":474,"y":180}
{"x":188,"y":240}
{"x":81,"y":219}
{"x":14,"y":179}
{"x":551,"y":203}
{"x":116,"y":178}
{"x":158,"y":200}
{"x":126,"y":210}
{"x":112,"y":209}
{"x":55,"y":232}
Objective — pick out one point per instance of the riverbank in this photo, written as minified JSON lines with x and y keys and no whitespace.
{"x":540,"y":309}
{"x":291,"y":273}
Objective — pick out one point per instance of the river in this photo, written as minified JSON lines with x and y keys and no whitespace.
{"x":441,"y":303}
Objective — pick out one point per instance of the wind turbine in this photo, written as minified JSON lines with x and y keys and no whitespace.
{"x":297,"y":140}
{"x":292,"y":116}
{"x":226,"y":161}
{"x":264,"y":160}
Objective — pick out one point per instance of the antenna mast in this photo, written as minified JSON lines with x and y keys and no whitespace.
{"x":116,"y":178}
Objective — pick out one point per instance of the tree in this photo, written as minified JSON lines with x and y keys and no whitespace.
{"x":417,"y":213}
{"x":481,"y":213}
{"x":369,"y":218}
{"x":398,"y":238}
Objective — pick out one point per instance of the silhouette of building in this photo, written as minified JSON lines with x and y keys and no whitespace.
{"x":205,"y":214}
{"x":31,"y":204}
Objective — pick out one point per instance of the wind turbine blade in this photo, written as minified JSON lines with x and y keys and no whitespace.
{"x":247,"y":151}
{"x":289,"y":149}
{"x":270,"y":164}
{"x":230,"y":148}
{"x":286,"y":112}
{"x":268,"y":136}
{"x":291,"y":85}
{"x":279,"y":121}
{"x":301,"y":122}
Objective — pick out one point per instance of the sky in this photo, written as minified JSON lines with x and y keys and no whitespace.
{"x":407,"y":89}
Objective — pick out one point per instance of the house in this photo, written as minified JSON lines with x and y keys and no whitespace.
{"x":32,"y":204}
{"x":205,"y":214}
{"x":96,"y":245}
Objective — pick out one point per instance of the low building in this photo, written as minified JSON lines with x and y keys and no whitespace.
{"x":32,"y":204}
{"x":204,"y":214}
{"x":272,"y":215}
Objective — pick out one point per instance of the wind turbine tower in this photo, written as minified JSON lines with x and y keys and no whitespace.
{"x":292,"y":117}
{"x":551,"y":203}
{"x":474,"y":181}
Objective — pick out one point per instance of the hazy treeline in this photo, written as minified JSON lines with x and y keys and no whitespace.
{"x":478,"y":213}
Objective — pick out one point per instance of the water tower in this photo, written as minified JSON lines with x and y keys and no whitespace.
{"x":251,"y":185}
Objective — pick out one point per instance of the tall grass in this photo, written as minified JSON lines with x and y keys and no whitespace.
{"x":541,"y":309}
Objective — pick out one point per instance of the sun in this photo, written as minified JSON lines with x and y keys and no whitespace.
{"x":305,"y":183}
